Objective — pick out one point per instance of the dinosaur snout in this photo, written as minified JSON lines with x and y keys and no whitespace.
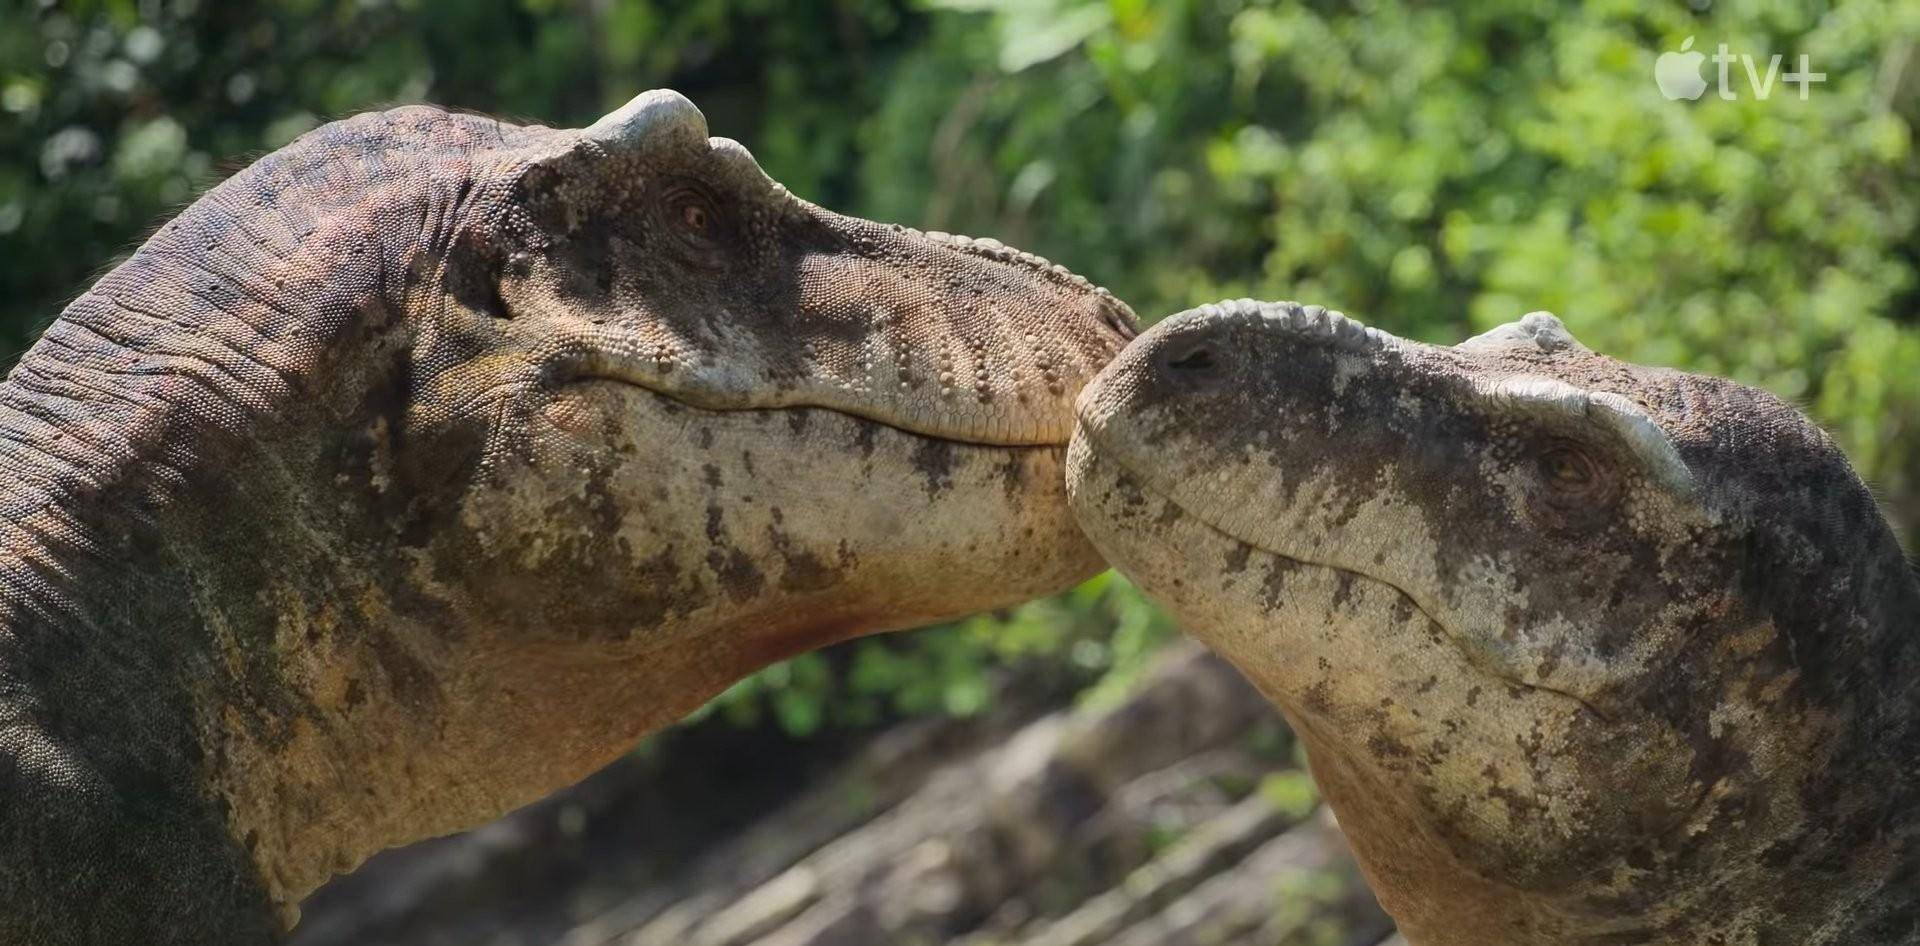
{"x":1222,"y":346}
{"x":950,"y":337}
{"x":1310,"y":324}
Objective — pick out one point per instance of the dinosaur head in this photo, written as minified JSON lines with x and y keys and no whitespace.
{"x":659,"y":257}
{"x":719,"y":425}
{"x":1560,"y":633}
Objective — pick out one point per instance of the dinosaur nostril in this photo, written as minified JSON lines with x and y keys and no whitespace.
{"x":1195,"y":362}
{"x":1200,"y":359}
{"x":1119,"y":318}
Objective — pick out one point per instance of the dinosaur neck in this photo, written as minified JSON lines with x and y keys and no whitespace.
{"x":1836,"y":835}
{"x":260,"y":620}
{"x":1841,"y":860}
{"x":1854,"y":643}
{"x":1870,"y":795}
{"x":166,"y":624}
{"x":110,"y":662}
{"x":212,"y":592}
{"x":180,"y":608}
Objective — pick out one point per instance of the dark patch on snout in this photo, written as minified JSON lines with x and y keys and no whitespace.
{"x":1343,"y":589}
{"x":1237,"y":558}
{"x":1013,"y":475}
{"x":934,"y":460}
{"x":805,"y":571}
{"x":1520,"y":806}
{"x":739,"y":577}
{"x":1273,"y":588}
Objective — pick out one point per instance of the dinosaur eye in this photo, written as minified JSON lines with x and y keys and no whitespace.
{"x":689,"y":210}
{"x":695,"y":217}
{"x":693,"y":224}
{"x":1566,"y":467}
{"x":1569,"y":471}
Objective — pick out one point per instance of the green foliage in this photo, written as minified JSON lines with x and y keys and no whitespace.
{"x":114,"y":113}
{"x":1432,"y":168}
{"x":1440,"y":169}
{"x":1290,"y":792}
{"x":1098,"y":636}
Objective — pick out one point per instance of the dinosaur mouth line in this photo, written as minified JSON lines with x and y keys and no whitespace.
{"x":961,"y":441}
{"x":1465,"y":652}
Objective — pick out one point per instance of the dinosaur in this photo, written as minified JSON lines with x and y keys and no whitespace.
{"x":1580,"y":651}
{"x":425,"y":465}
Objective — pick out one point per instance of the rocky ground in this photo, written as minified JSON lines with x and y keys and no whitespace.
{"x":1174,"y":816}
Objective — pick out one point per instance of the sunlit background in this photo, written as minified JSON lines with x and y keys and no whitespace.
{"x":1065,"y":774}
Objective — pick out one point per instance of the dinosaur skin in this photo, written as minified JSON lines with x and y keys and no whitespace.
{"x":1581,"y":652}
{"x":424,"y":466}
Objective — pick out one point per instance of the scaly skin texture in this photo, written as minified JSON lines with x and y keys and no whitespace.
{"x":1582,"y":652}
{"x":425,"y":465}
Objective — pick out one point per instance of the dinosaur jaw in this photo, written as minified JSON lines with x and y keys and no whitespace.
{"x":1036,"y":432}
{"x":792,"y":519}
{"x":1411,"y":744}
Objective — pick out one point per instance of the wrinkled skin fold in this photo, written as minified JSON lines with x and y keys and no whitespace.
{"x":1582,"y":652}
{"x":424,"y":466}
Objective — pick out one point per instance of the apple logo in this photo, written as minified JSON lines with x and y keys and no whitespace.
{"x":1678,"y":74}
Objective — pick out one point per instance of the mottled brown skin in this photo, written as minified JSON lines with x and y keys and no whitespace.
{"x":1582,"y":652}
{"x":425,"y":465}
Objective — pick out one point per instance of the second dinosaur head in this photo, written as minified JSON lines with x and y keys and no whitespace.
{"x":1572,"y":643}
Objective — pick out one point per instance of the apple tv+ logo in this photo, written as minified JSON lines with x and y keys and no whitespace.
{"x":1678,"y":74}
